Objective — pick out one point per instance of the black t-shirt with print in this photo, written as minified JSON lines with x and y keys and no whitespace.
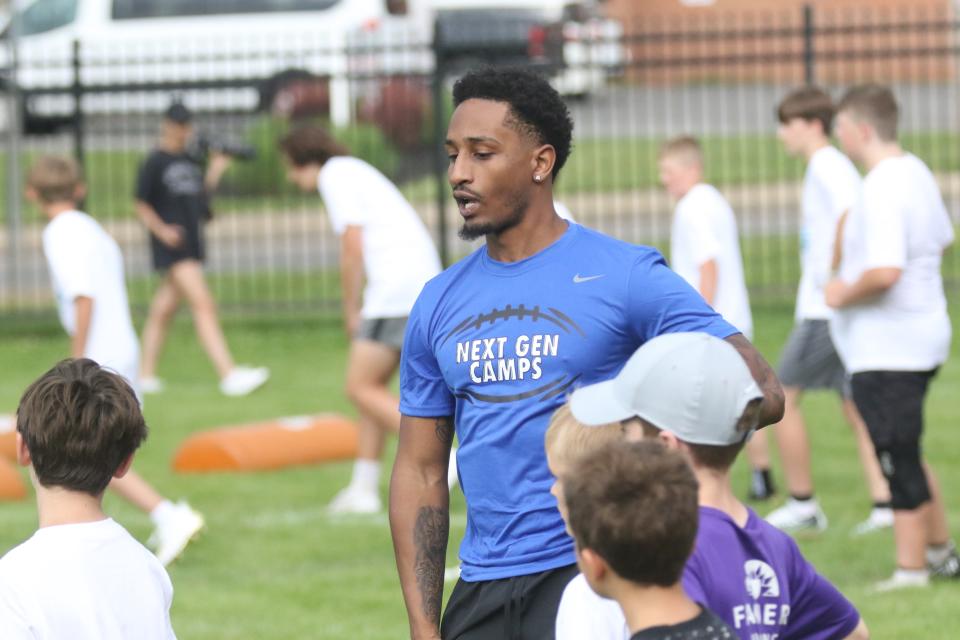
{"x":705,"y":626}
{"x":173,"y":185}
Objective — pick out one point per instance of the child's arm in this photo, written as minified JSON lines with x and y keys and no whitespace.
{"x":708,"y":280}
{"x":83,"y":314}
{"x":838,"y":242}
{"x":351,"y":277}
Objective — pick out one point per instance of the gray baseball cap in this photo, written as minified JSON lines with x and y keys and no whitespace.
{"x":693,"y":385}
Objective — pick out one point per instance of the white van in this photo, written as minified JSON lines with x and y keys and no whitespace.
{"x":205,"y":42}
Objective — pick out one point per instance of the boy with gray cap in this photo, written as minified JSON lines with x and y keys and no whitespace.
{"x":695,"y":394}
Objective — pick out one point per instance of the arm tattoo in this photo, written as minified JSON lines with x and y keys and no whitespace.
{"x":444,"y":430}
{"x":772,"y":409}
{"x":430,"y":541}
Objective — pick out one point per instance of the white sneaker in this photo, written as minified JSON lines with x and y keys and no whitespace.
{"x":798,"y":516}
{"x":243,"y":380}
{"x":355,"y":501}
{"x":176,"y":531}
{"x":151,"y":385}
{"x":878,"y":519}
{"x":902,"y":580}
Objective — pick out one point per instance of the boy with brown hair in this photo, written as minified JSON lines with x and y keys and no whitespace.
{"x":891,"y":324}
{"x":809,"y":360}
{"x":86,"y":270}
{"x":386,"y":257}
{"x":705,"y":251}
{"x":632,"y":509}
{"x":693,"y":393}
{"x":81,"y":575}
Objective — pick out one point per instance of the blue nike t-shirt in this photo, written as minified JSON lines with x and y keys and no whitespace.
{"x":499,"y":346}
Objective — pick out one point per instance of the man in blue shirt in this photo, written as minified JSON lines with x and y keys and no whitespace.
{"x":492,"y":347}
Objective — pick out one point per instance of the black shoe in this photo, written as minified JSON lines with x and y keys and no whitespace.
{"x":761,"y":485}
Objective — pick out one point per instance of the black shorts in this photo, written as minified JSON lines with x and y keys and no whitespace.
{"x":519,"y":608}
{"x":891,"y":403}
{"x":192,"y":248}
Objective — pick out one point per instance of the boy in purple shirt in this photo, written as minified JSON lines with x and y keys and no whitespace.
{"x":694,"y":394}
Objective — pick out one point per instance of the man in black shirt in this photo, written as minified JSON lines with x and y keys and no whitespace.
{"x":173,"y":202}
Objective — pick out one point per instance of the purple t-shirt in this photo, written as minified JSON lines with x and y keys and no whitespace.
{"x":757,"y":581}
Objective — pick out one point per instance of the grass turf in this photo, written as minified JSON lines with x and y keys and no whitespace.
{"x":272,"y":565}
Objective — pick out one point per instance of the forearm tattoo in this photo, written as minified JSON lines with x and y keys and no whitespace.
{"x":430,"y":541}
{"x":444,"y":430}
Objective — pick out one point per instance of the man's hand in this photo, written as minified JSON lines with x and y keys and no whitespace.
{"x":171,"y":235}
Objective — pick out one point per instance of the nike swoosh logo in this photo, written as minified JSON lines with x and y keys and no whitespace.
{"x":577,"y":279}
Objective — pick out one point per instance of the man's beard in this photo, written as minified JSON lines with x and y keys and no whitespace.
{"x":470,"y":232}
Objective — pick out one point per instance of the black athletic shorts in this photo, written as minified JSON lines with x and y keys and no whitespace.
{"x":192,"y":248}
{"x":891,"y":403}
{"x":520,"y":608}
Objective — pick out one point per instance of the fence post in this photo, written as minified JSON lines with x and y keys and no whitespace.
{"x":808,"y":52}
{"x":14,"y":188}
{"x":78,"y":121}
{"x":439,"y":137}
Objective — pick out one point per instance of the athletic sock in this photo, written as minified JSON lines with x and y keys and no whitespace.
{"x":802,"y":498}
{"x":911,"y":575}
{"x":366,"y":475}
{"x":883,"y":505}
{"x":162,"y":512}
{"x":937,"y":553}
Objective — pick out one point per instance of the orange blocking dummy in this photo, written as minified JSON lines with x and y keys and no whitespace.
{"x":8,"y":438}
{"x":269,"y":445}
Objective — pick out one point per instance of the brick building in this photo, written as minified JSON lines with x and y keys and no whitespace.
{"x":760,"y":40}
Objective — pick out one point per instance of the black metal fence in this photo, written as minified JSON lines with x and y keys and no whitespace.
{"x":718,"y":77}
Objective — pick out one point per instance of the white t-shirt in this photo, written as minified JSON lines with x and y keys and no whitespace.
{"x":899,"y":221}
{"x":89,"y":581}
{"x":584,"y":614}
{"x":704,"y":229}
{"x":85,"y":261}
{"x":831,"y":186}
{"x":398,"y":255}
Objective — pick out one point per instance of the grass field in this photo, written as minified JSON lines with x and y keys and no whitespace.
{"x":273,"y":565}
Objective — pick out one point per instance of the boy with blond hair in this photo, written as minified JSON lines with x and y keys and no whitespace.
{"x":891,"y":324}
{"x":86,"y":269}
{"x":81,"y":575}
{"x":705,"y":251}
{"x":695,"y":395}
